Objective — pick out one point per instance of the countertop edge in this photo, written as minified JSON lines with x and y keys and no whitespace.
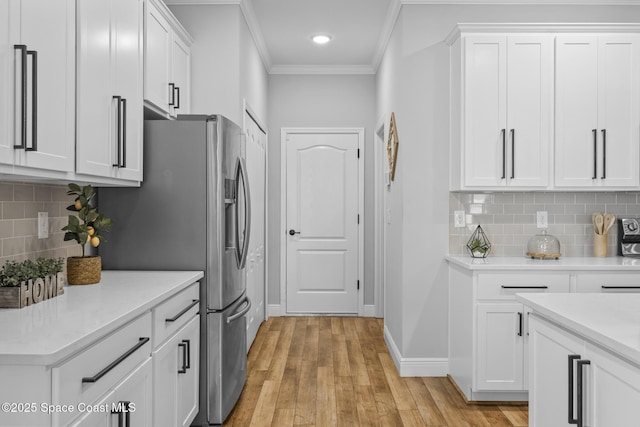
{"x":54,"y":358}
{"x":617,"y":263}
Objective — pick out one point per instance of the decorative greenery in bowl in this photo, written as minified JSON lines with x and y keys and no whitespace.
{"x":89,"y":225}
{"x":13,"y":273}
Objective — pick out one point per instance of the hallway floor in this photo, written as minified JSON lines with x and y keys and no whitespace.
{"x":337,"y":371}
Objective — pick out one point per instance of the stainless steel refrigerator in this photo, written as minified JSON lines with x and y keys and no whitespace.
{"x":192,"y":212}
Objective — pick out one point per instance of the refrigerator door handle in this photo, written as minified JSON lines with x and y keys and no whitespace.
{"x":241,"y":172}
{"x":239,"y":314}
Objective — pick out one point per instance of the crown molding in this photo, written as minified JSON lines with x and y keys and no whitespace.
{"x":385,"y":33}
{"x":322,"y":69}
{"x":256,"y":33}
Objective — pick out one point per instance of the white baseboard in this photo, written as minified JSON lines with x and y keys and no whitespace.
{"x":276,"y":310}
{"x":416,"y":366}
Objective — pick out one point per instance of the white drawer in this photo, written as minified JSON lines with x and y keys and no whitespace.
{"x":505,"y":286}
{"x":174,"y":313}
{"x":608,"y":282}
{"x":91,"y":373}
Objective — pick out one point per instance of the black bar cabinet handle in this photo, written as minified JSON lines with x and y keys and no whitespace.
{"x":513,"y":153}
{"x":580,"y":392}
{"x":118,"y":130}
{"x":172,"y":91}
{"x":23,"y":95}
{"x":504,"y":153}
{"x":187,"y":308}
{"x":572,"y":419}
{"x":124,"y":415}
{"x":34,"y":101}
{"x":620,"y":287}
{"x":595,"y":153}
{"x":188,"y":358}
{"x":183,"y":346}
{"x":142,"y":341}
{"x":604,"y":153}
{"x":520,"y":318}
{"x":123,"y":162}
{"x":177,"y":98}
{"x":524,"y":287}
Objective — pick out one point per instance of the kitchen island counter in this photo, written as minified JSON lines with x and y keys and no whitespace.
{"x":611,"y":321}
{"x":52,"y":330}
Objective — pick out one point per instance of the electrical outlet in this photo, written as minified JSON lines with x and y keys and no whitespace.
{"x":43,"y":225}
{"x":542,"y":219}
{"x":458,"y":219}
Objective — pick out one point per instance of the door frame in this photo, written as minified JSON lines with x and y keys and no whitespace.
{"x":284,"y":132}
{"x":380,"y":176}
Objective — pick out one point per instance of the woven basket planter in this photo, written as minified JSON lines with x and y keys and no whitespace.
{"x":84,"y":270}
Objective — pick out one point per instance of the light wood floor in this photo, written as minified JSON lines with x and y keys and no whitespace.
{"x":337,"y":371}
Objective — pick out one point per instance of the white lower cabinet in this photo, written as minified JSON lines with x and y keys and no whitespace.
{"x":565,"y":366}
{"x":176,"y":359}
{"x":489,"y":337}
{"x":129,"y":404}
{"x":175,"y":373}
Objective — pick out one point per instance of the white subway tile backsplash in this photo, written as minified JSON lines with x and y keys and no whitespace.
{"x":509,"y":219}
{"x":19,"y":207}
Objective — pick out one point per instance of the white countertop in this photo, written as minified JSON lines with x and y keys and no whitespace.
{"x":616,"y":263}
{"x":609,"y":320}
{"x":49,"y":331}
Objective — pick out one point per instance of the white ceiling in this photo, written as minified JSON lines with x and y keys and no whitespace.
{"x":360,"y":30}
{"x":282,"y":29}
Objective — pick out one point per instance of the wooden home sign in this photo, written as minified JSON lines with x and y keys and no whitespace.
{"x":32,"y":292}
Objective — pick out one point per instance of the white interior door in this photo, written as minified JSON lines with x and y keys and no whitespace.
{"x":322,"y":203}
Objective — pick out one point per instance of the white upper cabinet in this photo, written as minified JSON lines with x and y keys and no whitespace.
{"x":110,"y":73}
{"x":37,"y":86}
{"x":167,"y":62}
{"x":597,"y":111}
{"x":505,"y":111}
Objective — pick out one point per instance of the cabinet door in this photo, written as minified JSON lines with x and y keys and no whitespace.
{"x":549,"y":351}
{"x":500,"y":344}
{"x":180,"y":66}
{"x":175,"y":372}
{"x":529,"y":102}
{"x":613,"y":390}
{"x":128,"y":84}
{"x":131,"y":400}
{"x":96,"y":107}
{"x":485,"y":115}
{"x":618,"y":110}
{"x":7,"y":62}
{"x":188,"y":382}
{"x":157,"y":56}
{"x":576,"y":110}
{"x":48,"y":28}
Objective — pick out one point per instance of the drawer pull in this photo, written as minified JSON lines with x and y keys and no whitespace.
{"x":620,"y":287}
{"x":116,"y":362}
{"x":177,"y":316}
{"x":524,"y":287}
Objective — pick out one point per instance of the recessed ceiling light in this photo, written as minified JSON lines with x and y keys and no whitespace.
{"x":321,"y":38}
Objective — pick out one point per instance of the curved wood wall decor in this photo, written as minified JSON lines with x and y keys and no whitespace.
{"x":392,"y":146}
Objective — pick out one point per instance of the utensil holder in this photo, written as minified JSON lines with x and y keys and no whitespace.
{"x":600,"y":245}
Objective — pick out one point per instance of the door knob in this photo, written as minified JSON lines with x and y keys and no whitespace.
{"x":293,"y":232}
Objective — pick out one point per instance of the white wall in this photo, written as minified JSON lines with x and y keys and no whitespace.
{"x":318,"y":101}
{"x":413,"y":82}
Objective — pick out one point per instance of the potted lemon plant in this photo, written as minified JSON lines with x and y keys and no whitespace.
{"x":87,"y":227}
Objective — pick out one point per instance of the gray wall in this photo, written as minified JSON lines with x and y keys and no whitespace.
{"x":413,"y":81}
{"x":318,"y":101}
